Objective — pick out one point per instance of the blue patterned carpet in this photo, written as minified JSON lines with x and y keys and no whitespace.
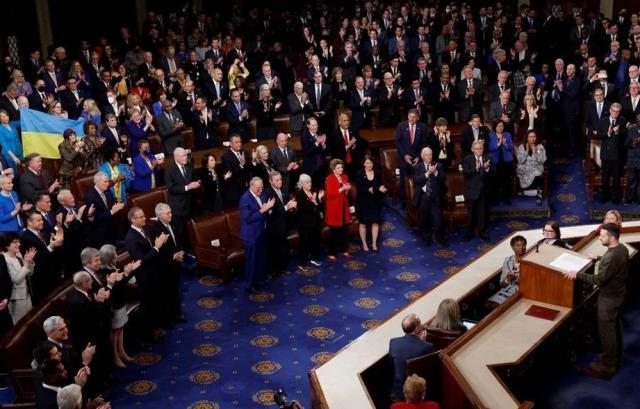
{"x":237,"y":349}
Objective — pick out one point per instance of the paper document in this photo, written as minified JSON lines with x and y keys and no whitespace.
{"x":569,"y":262}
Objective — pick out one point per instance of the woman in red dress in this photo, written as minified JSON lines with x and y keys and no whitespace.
{"x":336,"y":214}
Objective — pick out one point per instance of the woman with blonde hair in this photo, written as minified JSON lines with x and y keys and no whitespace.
{"x":530,"y":117}
{"x":23,"y":86}
{"x":55,"y":109}
{"x":415,"y":391}
{"x":90,"y":111}
{"x":448,"y":316}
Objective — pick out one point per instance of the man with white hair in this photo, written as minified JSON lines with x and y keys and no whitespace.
{"x":254,"y":207}
{"x":9,"y":102}
{"x":75,"y":227}
{"x":172,"y":256}
{"x":428,"y":177}
{"x":470,"y":95}
{"x":101,"y":198}
{"x":70,"y":397}
{"x":300,"y":108}
{"x":180,"y":183}
{"x":57,"y":332}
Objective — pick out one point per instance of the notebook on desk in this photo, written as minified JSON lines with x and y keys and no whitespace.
{"x":542,"y":312}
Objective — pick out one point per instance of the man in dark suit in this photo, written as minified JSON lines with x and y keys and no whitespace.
{"x":444,"y":94}
{"x":504,"y":110}
{"x":470,"y":95}
{"x":284,"y":160}
{"x":477,"y":170}
{"x":612,"y":131}
{"x":101,"y":198}
{"x":631,"y":103}
{"x":428,"y":178}
{"x":39,"y":99}
{"x":217,"y":89}
{"x":9,"y":102}
{"x":47,"y":272}
{"x":473,"y":132}
{"x":315,"y":148}
{"x":321,"y":100}
{"x":180,"y":183}
{"x":75,"y":225}
{"x":389,"y":97}
{"x":86,"y":317}
{"x":595,"y":110}
{"x":187,"y":102}
{"x":204,"y":121}
{"x":300,"y":108}
{"x":412,"y":345}
{"x":54,"y":378}
{"x":238,"y":162}
{"x":72,"y":99}
{"x":139,"y":244}
{"x":146,"y":69}
{"x":111,"y":132}
{"x":416,"y":97}
{"x":410,"y":136}
{"x":347,"y":145}
{"x":238,"y":114}
{"x":172,"y":256}
{"x":253,"y":208}
{"x":498,"y":88}
{"x":101,"y":88}
{"x":269,"y":78}
{"x":36,"y":180}
{"x":160,"y":82}
{"x":170,"y":126}
{"x":53,"y":79}
{"x":42,"y":204}
{"x":277,"y":226}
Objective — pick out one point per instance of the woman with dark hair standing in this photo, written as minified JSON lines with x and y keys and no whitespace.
{"x":370,"y":192}
{"x":336,"y":214}
{"x":74,"y":157}
{"x":211,"y":183}
{"x":146,"y":168}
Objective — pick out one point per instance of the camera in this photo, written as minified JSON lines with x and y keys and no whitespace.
{"x":280,"y":398}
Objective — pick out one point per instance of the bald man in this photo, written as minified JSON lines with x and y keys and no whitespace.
{"x":412,"y":345}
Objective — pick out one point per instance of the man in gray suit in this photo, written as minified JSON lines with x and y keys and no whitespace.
{"x":284,"y":160}
{"x":170,"y":128}
{"x":299,"y":108}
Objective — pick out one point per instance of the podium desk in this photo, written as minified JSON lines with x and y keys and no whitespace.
{"x":337,"y":383}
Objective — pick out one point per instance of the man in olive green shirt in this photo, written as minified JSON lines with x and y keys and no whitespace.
{"x":610,"y":277}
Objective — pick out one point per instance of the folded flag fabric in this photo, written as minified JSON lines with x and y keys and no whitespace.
{"x":42,"y":133}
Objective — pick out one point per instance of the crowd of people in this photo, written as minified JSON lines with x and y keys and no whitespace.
{"x":525,"y":81}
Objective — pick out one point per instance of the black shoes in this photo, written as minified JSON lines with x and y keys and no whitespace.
{"x":484,"y":236}
{"x":467,"y":237}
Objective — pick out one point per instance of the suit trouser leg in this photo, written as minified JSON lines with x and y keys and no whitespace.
{"x":610,"y":329}
{"x":278,"y":253}
{"x":250,"y":273}
{"x":482,"y":212}
{"x":472,"y":218}
{"x":632,"y":183}
{"x":616,"y":191}
{"x":606,"y":178}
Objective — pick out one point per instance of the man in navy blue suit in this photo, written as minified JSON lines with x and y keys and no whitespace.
{"x":315,"y":150}
{"x":410,"y":139}
{"x":253,"y":220}
{"x":238,"y":115}
{"x":412,"y":345}
{"x":594,"y":112}
{"x":570,"y":94}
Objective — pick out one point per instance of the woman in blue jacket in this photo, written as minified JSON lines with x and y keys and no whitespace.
{"x":146,"y":175}
{"x":501,"y":152}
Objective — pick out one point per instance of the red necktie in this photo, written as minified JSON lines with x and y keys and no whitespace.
{"x":412,"y":133}
{"x":347,"y":157}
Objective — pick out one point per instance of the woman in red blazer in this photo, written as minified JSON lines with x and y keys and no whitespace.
{"x":336,"y":214}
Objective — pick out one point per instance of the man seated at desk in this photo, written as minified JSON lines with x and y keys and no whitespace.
{"x":412,"y":345}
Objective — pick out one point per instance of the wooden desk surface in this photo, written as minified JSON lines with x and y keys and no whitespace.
{"x":337,"y":381}
{"x":505,"y":340}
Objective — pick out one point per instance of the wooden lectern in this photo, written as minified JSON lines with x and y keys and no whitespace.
{"x":540,"y":281}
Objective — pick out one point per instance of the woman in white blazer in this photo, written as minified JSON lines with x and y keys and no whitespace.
{"x":20,"y":269}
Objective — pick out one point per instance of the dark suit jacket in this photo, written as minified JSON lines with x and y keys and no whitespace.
{"x":467,"y":139}
{"x":360,"y":113}
{"x":236,"y":124}
{"x":571,"y":97}
{"x":476,"y":182}
{"x":433,"y":142}
{"x":170,"y":247}
{"x":72,"y":105}
{"x":84,"y":318}
{"x":627,"y":108}
{"x":475,"y":99}
{"x":74,"y":241}
{"x":612,"y":146}
{"x":111,"y":141}
{"x":5,"y":103}
{"x":591,"y":119}
{"x":140,"y":248}
{"x":403,"y":141}
{"x":237,"y":184}
{"x":179,"y":198}
{"x":338,"y":147}
{"x":314,"y":156}
{"x":30,"y":185}
{"x":325,"y":97}
{"x":49,"y":85}
{"x":402,"y":349}
{"x":210,"y":87}
{"x":277,"y":216}
{"x":103,"y":229}
{"x":36,"y":102}
{"x":420,"y":180}
{"x":299,"y":113}
{"x":46,"y":398}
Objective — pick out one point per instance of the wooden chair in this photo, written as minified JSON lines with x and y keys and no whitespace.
{"x":81,"y":185}
{"x":429,"y":367}
{"x":147,"y":201}
{"x":389,"y":164}
{"x":455,"y":213}
{"x":441,"y":338}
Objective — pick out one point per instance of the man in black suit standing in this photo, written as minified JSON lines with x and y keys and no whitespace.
{"x":473,"y":132}
{"x":47,"y":273}
{"x":75,"y":227}
{"x":284,"y":160}
{"x":631,"y":103}
{"x":470,"y":95}
{"x":314,"y":146}
{"x":204,"y":121}
{"x":180,"y":183}
{"x":172,"y":256}
{"x":39,"y":99}
{"x":360,"y":102}
{"x":72,"y":99}
{"x":299,"y":108}
{"x":277,"y":229}
{"x":170,"y":128}
{"x":410,"y":138}
{"x":101,"y":198}
{"x":594,"y":112}
{"x":347,"y":145}
{"x":570,"y":96}
{"x":139,"y":244}
{"x":321,"y":100}
{"x":412,"y":345}
{"x":477,"y":170}
{"x":237,"y":113}
{"x":237,"y":161}
{"x":217,"y":89}
{"x":36,"y":180}
{"x":428,"y":178}
{"x":612,"y":131}
{"x":389,"y":97}
{"x":54,"y":378}
{"x":111,"y":132}
{"x":9,"y":102}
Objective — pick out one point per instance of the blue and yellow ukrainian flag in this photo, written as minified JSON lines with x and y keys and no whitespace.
{"x":42,"y":133}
